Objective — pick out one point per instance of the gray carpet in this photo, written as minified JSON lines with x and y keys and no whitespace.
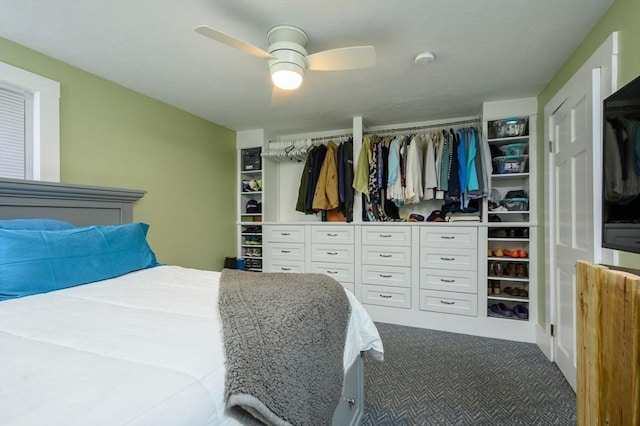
{"x":436,"y":378}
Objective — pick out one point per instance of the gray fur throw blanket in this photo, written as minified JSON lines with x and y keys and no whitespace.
{"x":284,"y":338}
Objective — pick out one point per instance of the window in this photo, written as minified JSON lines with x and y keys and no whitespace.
{"x":30,"y":125}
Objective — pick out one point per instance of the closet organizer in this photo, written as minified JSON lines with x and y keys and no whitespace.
{"x":410,"y":244}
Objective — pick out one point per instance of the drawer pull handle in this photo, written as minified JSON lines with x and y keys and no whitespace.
{"x":332,"y":253}
{"x":385,"y":235}
{"x":331,"y":235}
{"x":282,"y":268}
{"x":447,"y":281}
{"x":285,"y":251}
{"x":385,"y":296}
{"x":447,"y":237}
{"x":332,"y":272}
{"x":448,"y":259}
{"x":285,"y":234}
{"x":385,"y":255}
{"x":444,"y":302}
{"x":385,"y":275}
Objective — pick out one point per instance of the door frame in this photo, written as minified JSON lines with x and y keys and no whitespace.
{"x":603,"y":70}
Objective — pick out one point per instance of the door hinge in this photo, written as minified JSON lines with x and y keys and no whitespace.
{"x":552,"y":330}
{"x":550,"y":146}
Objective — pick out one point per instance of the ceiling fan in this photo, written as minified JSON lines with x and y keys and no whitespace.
{"x":288,"y":59}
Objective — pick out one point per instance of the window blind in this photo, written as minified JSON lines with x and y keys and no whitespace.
{"x":13,"y":146}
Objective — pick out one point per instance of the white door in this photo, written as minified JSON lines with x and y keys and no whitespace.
{"x":573,"y":124}
{"x":572,"y":151}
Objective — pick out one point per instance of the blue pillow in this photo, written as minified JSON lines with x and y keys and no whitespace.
{"x":35,"y":224}
{"x":34,"y":262}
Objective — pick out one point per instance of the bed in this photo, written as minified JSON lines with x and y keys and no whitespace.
{"x":141,"y":348}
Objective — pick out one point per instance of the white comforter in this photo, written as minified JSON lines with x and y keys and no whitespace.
{"x":142,"y":349}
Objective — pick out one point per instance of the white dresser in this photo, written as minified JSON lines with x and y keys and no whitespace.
{"x":449,"y":270}
{"x":285,"y":248}
{"x":332,"y":253}
{"x":386,"y":266}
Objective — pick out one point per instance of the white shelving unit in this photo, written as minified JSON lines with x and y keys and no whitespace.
{"x":511,"y":224}
{"x":250,"y":184}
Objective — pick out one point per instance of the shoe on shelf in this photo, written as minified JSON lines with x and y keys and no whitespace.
{"x":498,"y":253}
{"x":501,"y":310}
{"x":521,"y":312}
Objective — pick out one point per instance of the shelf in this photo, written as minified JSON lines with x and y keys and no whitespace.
{"x":510,"y":212}
{"x":249,"y":172}
{"x":509,"y":139}
{"x":251,"y":193}
{"x":509,"y":259}
{"x":507,"y":278}
{"x":508,"y":298}
{"x":510,"y":175}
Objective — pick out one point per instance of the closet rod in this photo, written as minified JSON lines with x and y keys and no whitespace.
{"x":331,"y":137}
{"x":425,"y":127}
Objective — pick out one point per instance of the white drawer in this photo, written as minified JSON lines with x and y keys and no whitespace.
{"x":454,"y":237}
{"x":397,"y":276}
{"x":448,"y":258}
{"x":339,"y":272}
{"x":396,"y":297}
{"x":285,"y":234}
{"x":449,"y":302}
{"x":284,"y":266}
{"x":332,"y":253}
{"x":387,"y":235}
{"x":384,"y":255}
{"x":286,"y":251}
{"x":332,"y":234}
{"x":449,"y":280}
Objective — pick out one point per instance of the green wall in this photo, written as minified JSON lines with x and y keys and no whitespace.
{"x":112,"y":136}
{"x":623,"y":16}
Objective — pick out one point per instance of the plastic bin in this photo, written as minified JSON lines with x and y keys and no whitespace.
{"x":515,"y":204}
{"x":513,"y":149}
{"x":509,"y":127}
{"x":515,"y":164}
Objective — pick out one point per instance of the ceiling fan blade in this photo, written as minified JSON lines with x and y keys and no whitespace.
{"x":233,"y":42}
{"x":280,"y":96}
{"x":345,"y":58}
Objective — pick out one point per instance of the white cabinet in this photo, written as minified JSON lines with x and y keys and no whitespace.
{"x":448,"y":270}
{"x":386,"y":266}
{"x":285,"y":249}
{"x":333,"y":253}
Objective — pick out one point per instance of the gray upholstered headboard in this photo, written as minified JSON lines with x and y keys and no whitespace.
{"x":79,"y":204}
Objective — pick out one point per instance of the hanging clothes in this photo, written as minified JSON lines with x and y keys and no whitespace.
{"x":361,"y":173}
{"x":318,"y":160}
{"x":345,"y":179}
{"x":413,"y":191}
{"x":326,"y":192}
{"x":304,"y":182}
{"x":430,"y":178}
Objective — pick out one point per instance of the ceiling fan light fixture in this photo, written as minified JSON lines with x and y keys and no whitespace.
{"x":286,"y":76}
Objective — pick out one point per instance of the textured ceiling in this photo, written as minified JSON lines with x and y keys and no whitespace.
{"x":485,"y":50}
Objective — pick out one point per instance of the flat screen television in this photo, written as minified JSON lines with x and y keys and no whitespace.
{"x":621,"y":169}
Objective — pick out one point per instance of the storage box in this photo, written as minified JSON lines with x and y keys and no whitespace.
{"x":509,"y":127}
{"x":515,"y":204}
{"x":251,"y":159}
{"x":504,"y":164}
{"x":513,"y":149}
